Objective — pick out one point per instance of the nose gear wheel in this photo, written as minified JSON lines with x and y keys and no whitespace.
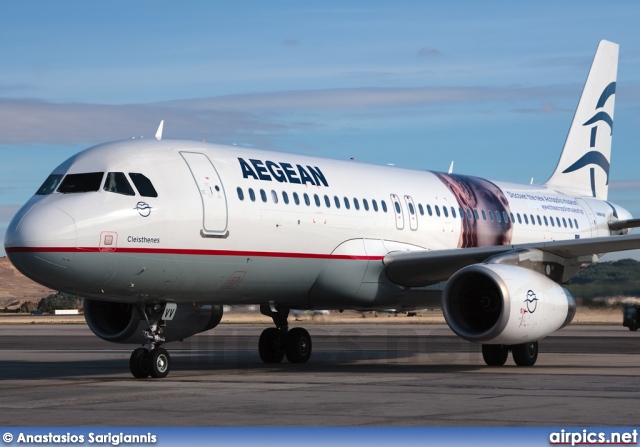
{"x":151,"y":359}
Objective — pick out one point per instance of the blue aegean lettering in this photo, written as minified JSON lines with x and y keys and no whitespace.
{"x":282,"y":172}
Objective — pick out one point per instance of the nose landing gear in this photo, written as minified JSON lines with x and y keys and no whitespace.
{"x":278,"y":342}
{"x":151,"y":359}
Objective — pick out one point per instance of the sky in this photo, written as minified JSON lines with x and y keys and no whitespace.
{"x":490,"y":85}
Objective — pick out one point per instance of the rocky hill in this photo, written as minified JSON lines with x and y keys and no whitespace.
{"x":15,"y":288}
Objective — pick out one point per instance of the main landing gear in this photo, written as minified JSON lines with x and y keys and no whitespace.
{"x":151,"y":359}
{"x":524,"y":354}
{"x":277,"y":342}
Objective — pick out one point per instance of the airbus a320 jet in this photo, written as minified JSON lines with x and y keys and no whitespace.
{"x":157,"y":235}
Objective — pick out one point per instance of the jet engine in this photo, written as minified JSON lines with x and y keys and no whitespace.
{"x":505,"y":304}
{"x":125,"y":323}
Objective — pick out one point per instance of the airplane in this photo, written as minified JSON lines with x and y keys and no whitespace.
{"x":157,"y":235}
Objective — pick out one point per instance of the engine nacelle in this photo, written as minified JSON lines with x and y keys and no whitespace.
{"x":123,"y":322}
{"x":505,"y":304}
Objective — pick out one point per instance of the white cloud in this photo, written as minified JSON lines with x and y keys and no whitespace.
{"x":31,"y":121}
{"x":7,"y":212}
{"x":427,"y":52}
{"x":290,"y":42}
{"x":625,"y":185}
{"x":360,"y":98}
{"x":28,"y":121}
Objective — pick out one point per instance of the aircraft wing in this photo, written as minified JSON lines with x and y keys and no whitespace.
{"x":426,"y":267}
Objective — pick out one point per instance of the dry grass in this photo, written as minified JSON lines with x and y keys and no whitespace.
{"x":583,"y":316}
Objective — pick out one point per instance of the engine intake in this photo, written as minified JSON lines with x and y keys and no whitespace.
{"x":505,"y":304}
{"x":124,"y":323}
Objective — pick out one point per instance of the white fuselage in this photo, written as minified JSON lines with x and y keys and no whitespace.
{"x":234,"y":225}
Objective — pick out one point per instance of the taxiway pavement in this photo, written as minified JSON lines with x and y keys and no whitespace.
{"x":358,"y":375}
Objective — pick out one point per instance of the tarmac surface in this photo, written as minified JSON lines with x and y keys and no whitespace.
{"x":358,"y":375}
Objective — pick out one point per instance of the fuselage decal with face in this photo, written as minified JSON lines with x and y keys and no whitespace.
{"x":475,"y":195}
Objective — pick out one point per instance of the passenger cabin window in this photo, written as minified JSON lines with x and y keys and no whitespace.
{"x":49,"y":185}
{"x":252,"y":195}
{"x":118,"y":183}
{"x":143,"y":185}
{"x":285,"y":197}
{"x":263,"y":195}
{"x":75,"y":183}
{"x":240,"y":193}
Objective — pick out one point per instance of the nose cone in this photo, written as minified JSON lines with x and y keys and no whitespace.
{"x":40,"y":242}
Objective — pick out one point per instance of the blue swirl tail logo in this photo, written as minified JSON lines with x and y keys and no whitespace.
{"x":595,"y":157}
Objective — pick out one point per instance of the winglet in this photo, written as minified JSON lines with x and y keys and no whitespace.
{"x":159,"y":132}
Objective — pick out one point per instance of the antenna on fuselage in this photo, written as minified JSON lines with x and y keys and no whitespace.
{"x":450,"y":167}
{"x":159,"y":132}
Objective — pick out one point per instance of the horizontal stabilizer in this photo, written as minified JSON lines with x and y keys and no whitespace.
{"x":623,"y":224}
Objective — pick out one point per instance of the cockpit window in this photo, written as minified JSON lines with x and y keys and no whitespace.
{"x":49,"y":185}
{"x":117,"y":182}
{"x":74,"y":183}
{"x":143,"y":184}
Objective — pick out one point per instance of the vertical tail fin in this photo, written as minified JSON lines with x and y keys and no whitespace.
{"x":583,"y":169}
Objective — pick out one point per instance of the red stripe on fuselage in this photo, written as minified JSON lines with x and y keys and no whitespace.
{"x":182,"y":251}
